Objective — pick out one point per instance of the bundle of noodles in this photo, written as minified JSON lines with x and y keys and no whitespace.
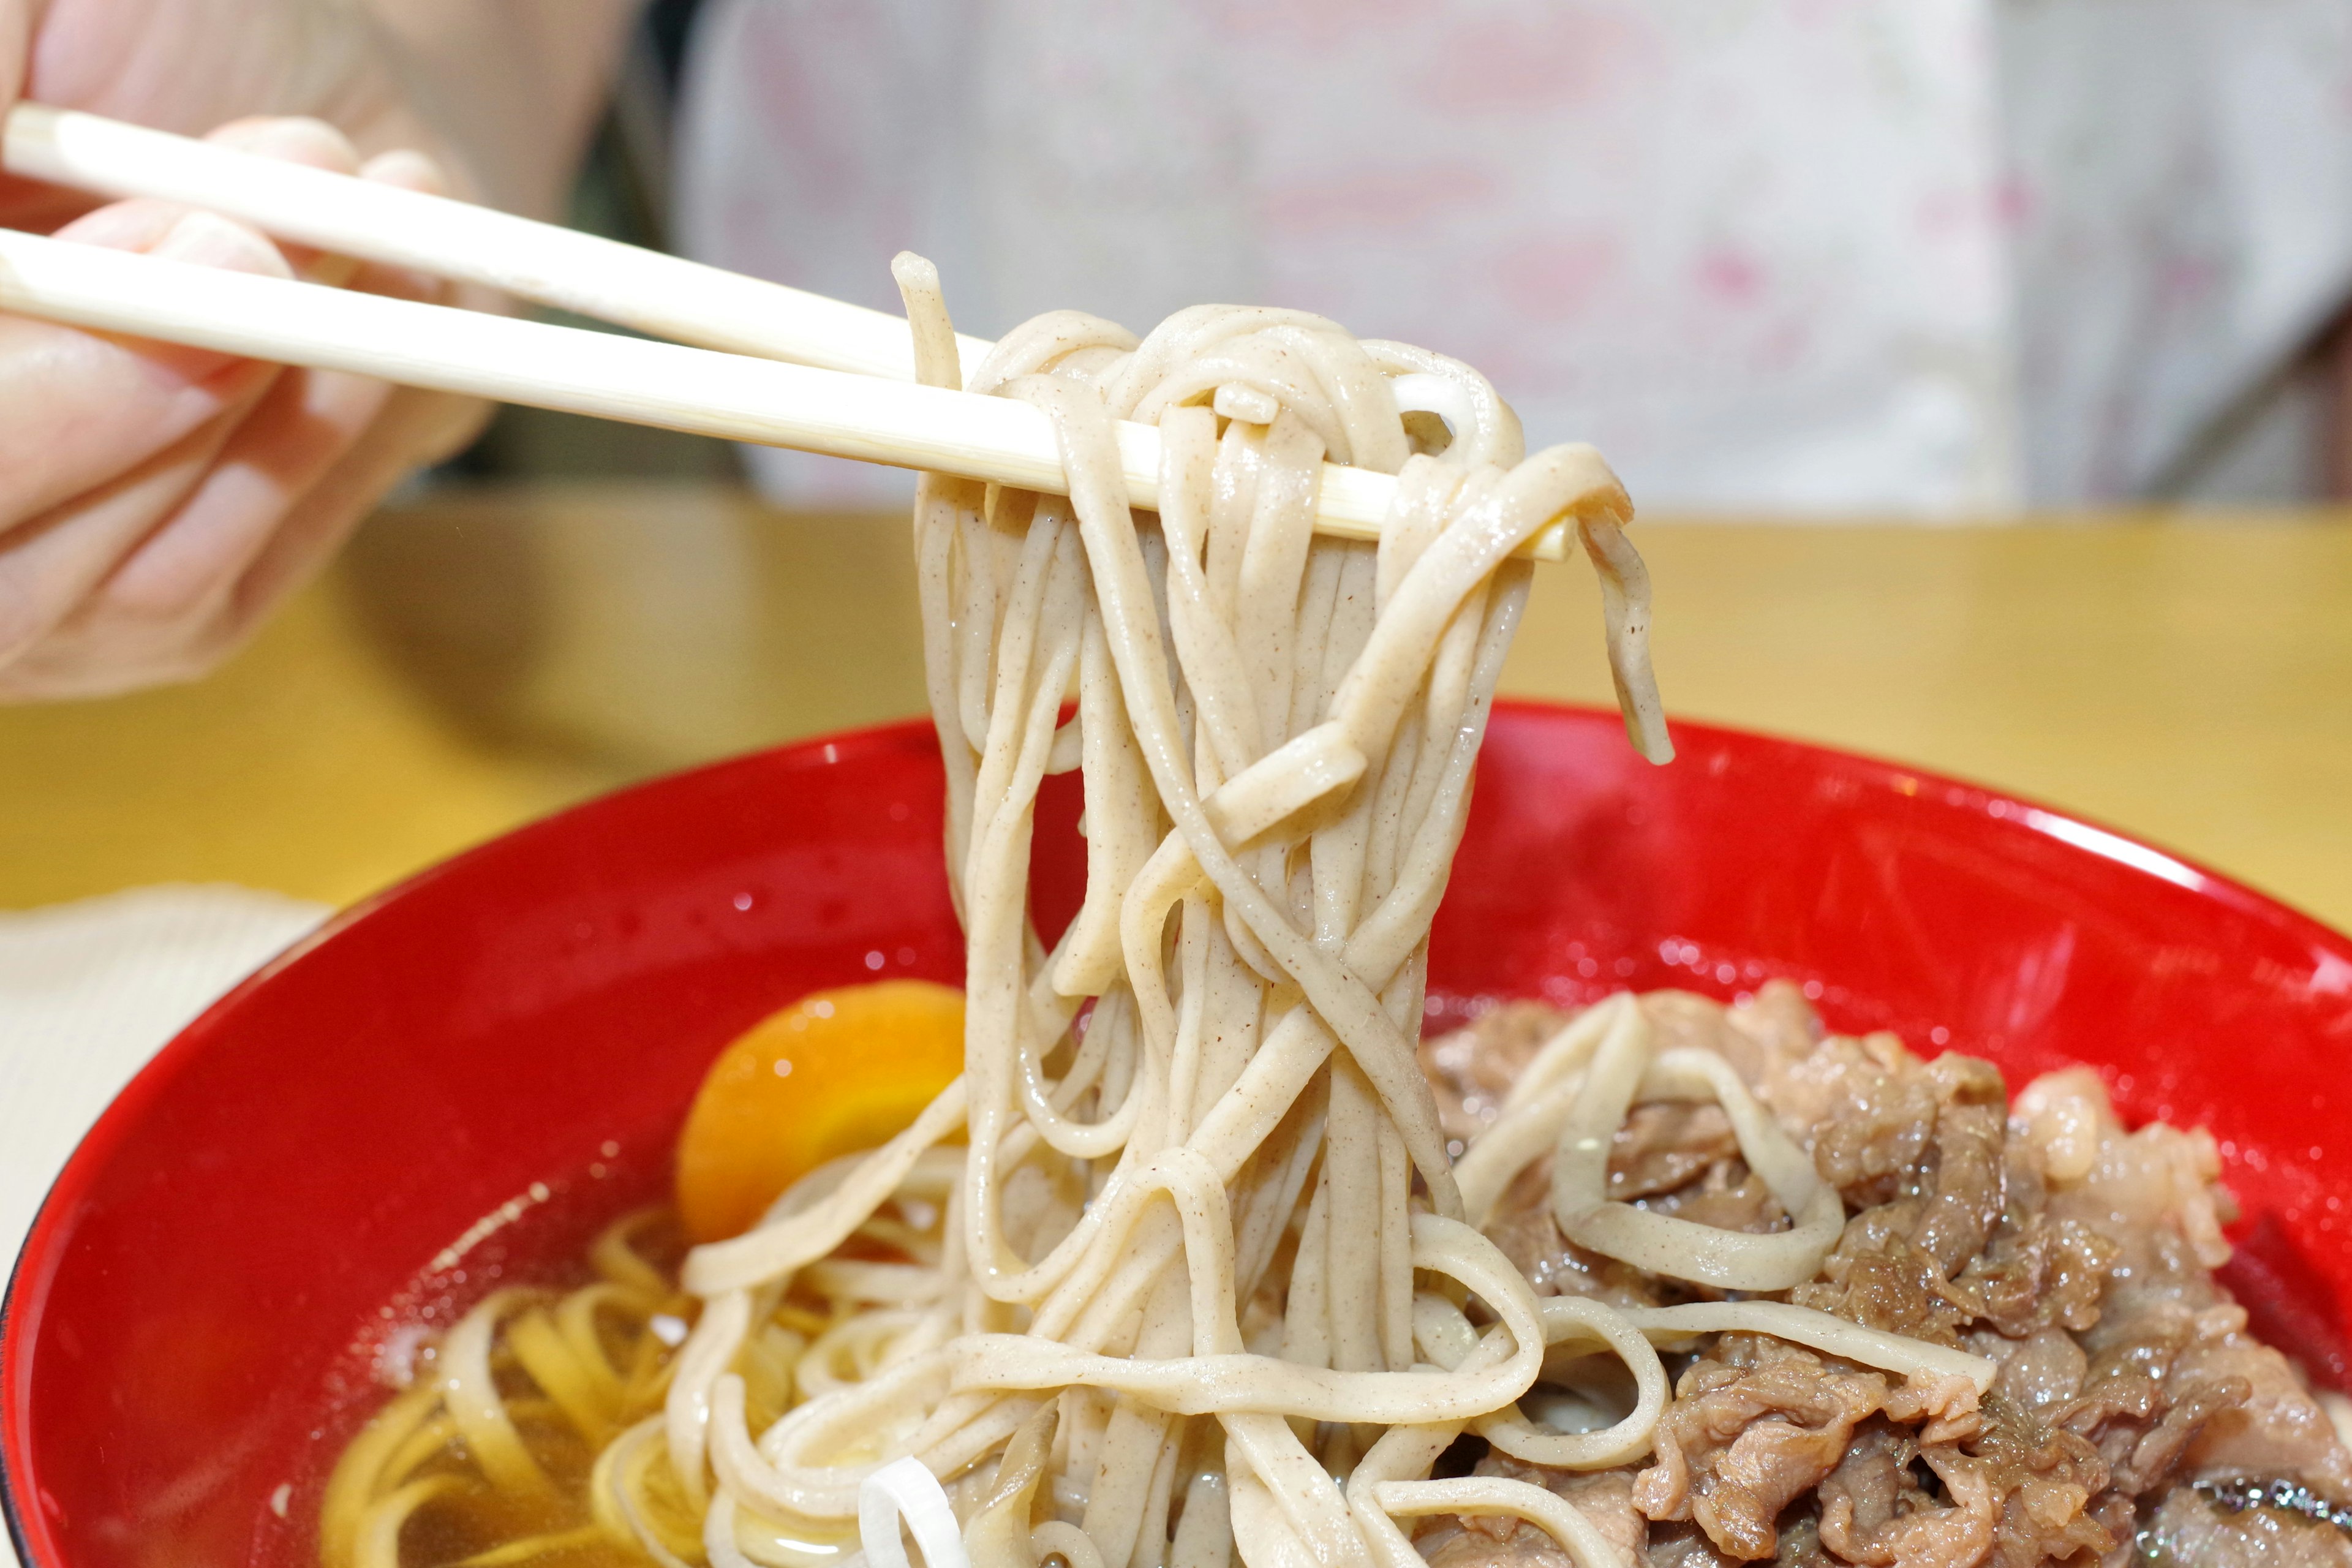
{"x":1207,"y":1251}
{"x":1201,"y":1278}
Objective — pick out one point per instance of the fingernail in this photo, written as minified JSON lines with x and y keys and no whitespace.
{"x":295,"y":140}
{"x":208,"y":239}
{"x":408,"y":168}
{"x":140,"y":224}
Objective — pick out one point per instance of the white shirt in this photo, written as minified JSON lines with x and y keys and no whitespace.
{"x":1926,"y":255}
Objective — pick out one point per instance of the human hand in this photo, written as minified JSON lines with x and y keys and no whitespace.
{"x":155,"y":502}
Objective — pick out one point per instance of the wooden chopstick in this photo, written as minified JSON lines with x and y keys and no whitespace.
{"x":664,"y":296}
{"x":734,"y":396}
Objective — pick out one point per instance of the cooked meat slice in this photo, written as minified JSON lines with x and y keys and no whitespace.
{"x":2037,"y":1271}
{"x":1971,"y":1189}
{"x":2077,"y":1256}
{"x":2171,"y":1365}
{"x":1681,"y":1020}
{"x":1605,"y":1498}
{"x":2051,"y":1486}
{"x":1472,"y":1069}
{"x":1878,"y":1278}
{"x":2187,"y":1530}
{"x":1448,"y":1544}
{"x":1524,"y":1230}
{"x":1869,"y":1109}
{"x":2152,"y":1458}
{"x":1777,"y":1027}
{"x":2130,"y":1351}
{"x":1755,"y":1425}
{"x":1682,"y":1544}
{"x":1668,"y":1145}
{"x":2149,"y":1191}
{"x":1876,"y":1509}
{"x":2277,"y":1428}
{"x":2038,"y":1372}
{"x":1729,"y":1196}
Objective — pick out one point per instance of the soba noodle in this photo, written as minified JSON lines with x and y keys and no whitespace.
{"x":1202,"y":1277}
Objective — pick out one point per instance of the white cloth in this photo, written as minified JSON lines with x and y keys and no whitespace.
{"x":1926,"y":255}
{"x":89,"y":991}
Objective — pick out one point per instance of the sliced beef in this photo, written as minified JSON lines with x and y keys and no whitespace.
{"x":1682,"y":1544}
{"x":2274,"y":1428}
{"x":1729,"y":1196}
{"x":1604,"y":1496}
{"x":1754,"y":1426}
{"x":2189,"y":1531}
{"x":1524,"y":1230}
{"x":1877,"y":1508}
{"x":2041,"y":1371}
{"x":1472,"y":1067}
{"x":1669,"y":1145}
{"x":2055,"y":1504}
{"x":2077,"y":1256}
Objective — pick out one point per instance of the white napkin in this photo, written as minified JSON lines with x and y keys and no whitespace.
{"x":89,"y":990}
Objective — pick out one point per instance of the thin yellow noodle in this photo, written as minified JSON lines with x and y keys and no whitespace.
{"x":470,"y":1393}
{"x":433,"y":1437}
{"x":531,"y":1546}
{"x":576,"y":1315}
{"x":354,"y":1483}
{"x":562,"y":1374}
{"x":617,"y":1261}
{"x":619,"y":1470}
{"x":377,"y":1544}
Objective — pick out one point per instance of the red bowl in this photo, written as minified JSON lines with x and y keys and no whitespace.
{"x":473,"y":1069}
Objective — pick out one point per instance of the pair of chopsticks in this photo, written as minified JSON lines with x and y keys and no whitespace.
{"x":774,"y":365}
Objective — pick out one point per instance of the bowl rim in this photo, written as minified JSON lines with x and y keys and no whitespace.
{"x":106,"y":1136}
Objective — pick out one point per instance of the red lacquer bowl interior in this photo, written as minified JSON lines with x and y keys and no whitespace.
{"x":489,"y":1060}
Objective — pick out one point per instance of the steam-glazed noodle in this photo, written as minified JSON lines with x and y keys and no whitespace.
{"x":1201,"y":1278}
{"x":1222,"y":1209}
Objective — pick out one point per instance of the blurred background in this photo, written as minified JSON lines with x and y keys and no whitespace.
{"x":1979,"y":365}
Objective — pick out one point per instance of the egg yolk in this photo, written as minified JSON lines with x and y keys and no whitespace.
{"x":836,"y":1073}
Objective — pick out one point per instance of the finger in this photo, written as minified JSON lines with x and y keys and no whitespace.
{"x":291,"y":439}
{"x":295,"y":139}
{"x":79,"y":408}
{"x":52,"y":564}
{"x":292,"y":138}
{"x":122,"y":638}
{"x":294,"y":435}
{"x":281,"y":494}
{"x":138,"y":223}
{"x":171,"y":232}
{"x":41,"y":208}
{"x":409,"y":170}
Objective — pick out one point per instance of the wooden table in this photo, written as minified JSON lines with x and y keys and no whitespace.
{"x":481,"y":658}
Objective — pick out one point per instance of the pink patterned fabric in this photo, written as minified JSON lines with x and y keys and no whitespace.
{"x":1928,"y":256}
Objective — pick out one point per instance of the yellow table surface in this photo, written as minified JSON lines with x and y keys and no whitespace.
{"x":2187,"y":679}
